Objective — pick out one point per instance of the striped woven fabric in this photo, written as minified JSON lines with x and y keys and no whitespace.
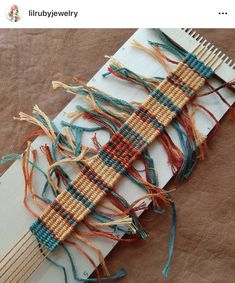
{"x":100,"y":174}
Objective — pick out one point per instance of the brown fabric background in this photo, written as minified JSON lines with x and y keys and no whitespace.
{"x":204,"y":246}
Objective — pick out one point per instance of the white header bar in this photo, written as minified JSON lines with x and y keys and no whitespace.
{"x":113,"y":14}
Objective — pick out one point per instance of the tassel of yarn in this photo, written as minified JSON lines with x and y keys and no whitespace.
{"x":118,"y":70}
{"x":154,"y":52}
{"x":175,"y":155}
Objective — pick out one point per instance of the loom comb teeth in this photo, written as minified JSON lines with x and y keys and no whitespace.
{"x":192,"y":42}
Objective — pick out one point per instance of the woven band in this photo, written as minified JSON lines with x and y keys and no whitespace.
{"x":100,"y":175}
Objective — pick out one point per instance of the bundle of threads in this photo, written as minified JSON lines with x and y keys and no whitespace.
{"x":115,"y":214}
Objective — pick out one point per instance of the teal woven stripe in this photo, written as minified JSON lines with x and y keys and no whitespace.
{"x":132,"y":136}
{"x":110,"y":162}
{"x":195,"y":64}
{"x":166,"y":101}
{"x":143,"y":113}
{"x":43,"y":235}
{"x":77,"y":195}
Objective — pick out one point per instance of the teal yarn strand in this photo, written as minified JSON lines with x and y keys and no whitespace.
{"x":121,"y":273}
{"x":10,"y":157}
{"x":59,"y":266}
{"x":189,"y":152}
{"x":180,"y":53}
{"x":169,"y":48}
{"x":117,"y":103}
{"x":166,"y":268}
{"x":151,"y":169}
{"x":95,"y":114}
{"x":78,"y":133}
{"x":75,"y":127}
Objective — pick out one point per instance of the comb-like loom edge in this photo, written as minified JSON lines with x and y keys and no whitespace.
{"x":189,"y":40}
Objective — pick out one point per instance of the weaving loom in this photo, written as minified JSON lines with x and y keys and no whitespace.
{"x":166,"y":100}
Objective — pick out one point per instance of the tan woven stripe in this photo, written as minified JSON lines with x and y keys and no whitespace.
{"x":107,"y":174}
{"x":191,"y":79}
{"x":186,"y":79}
{"x":57,"y":224}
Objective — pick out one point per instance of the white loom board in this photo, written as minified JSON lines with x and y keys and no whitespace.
{"x":14,"y":218}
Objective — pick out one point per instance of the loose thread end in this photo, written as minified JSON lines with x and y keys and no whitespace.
{"x":165,"y":271}
{"x":10,"y":157}
{"x":57,"y":84}
{"x":106,"y":74}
